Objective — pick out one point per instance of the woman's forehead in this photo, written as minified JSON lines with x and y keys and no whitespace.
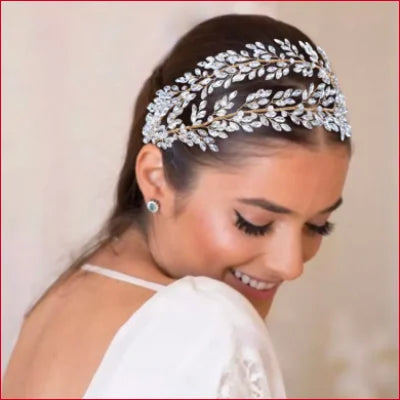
{"x":284,"y":165}
{"x":286,"y":177}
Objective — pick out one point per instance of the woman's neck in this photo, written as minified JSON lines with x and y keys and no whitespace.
{"x":130,"y":253}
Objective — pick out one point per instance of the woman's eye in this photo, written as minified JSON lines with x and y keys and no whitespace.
{"x":257,"y":230}
{"x":323,"y":230}
{"x":249,"y":228}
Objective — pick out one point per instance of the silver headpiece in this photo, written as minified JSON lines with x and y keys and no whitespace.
{"x":260,"y":108}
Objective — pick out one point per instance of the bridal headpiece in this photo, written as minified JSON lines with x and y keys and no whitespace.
{"x":309,"y":107}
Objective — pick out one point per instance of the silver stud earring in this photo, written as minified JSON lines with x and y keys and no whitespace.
{"x":153,"y":206}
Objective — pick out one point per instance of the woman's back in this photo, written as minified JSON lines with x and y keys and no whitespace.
{"x":64,"y":338}
{"x":101,"y":337}
{"x":63,"y":341}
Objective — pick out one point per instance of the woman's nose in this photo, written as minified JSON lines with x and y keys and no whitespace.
{"x":285,"y":261}
{"x":290,"y":270}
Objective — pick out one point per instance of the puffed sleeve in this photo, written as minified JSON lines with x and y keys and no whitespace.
{"x":196,"y":338}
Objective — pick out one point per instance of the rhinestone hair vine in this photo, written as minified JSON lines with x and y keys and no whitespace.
{"x":260,"y":108}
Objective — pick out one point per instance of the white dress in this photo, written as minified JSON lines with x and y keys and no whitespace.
{"x":194,"y":338}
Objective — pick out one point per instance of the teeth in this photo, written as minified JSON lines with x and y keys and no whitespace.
{"x":238,"y":274}
{"x":261,"y":285}
{"x":252,"y":282}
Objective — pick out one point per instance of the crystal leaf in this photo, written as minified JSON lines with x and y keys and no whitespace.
{"x":238,"y":77}
{"x":254,"y":64}
{"x":278,"y":94}
{"x":217,"y":83}
{"x":232,"y":95}
{"x":227,"y":83}
{"x":205,"y":81}
{"x":250,"y":97}
{"x":263,"y":101}
{"x":264,"y":121}
{"x":247,"y":128}
{"x":276,"y":126}
{"x":250,"y":46}
{"x":213,"y":147}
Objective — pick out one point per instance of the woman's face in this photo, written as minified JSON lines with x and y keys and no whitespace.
{"x":287,"y":191}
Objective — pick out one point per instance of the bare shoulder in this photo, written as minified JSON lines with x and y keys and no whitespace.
{"x":63,"y":341}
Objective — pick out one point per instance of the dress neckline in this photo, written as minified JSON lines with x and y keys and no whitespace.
{"x":121,"y":276}
{"x":159,"y":287}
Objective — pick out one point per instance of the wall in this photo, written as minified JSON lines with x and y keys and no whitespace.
{"x":71,"y":72}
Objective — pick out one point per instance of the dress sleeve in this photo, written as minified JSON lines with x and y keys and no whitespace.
{"x":186,"y":342}
{"x":251,"y":373}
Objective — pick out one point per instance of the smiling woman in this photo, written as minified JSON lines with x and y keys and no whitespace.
{"x":238,"y":154}
{"x":266,"y":241}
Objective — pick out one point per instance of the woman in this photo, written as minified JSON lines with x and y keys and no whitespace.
{"x":237,"y":156}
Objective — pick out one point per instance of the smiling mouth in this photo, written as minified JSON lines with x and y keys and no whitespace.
{"x":253,"y":282}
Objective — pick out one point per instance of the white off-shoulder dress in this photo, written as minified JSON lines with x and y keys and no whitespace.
{"x":194,"y":338}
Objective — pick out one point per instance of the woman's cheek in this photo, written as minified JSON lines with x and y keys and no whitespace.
{"x":311,"y":247}
{"x":221,"y":242}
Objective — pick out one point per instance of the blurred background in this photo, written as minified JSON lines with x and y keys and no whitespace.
{"x":70,"y":74}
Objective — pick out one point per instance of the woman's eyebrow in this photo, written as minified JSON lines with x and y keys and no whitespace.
{"x":276,"y":208}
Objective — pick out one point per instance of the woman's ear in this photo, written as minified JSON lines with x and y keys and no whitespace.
{"x":150,"y":175}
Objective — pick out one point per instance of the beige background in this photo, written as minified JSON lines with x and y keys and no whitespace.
{"x":70,"y":74}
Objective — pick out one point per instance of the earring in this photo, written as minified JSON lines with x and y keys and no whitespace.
{"x":153,"y":205}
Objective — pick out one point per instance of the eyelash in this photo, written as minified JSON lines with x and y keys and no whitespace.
{"x":256,"y":230}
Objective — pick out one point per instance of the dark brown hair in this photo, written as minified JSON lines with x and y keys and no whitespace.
{"x":181,"y":162}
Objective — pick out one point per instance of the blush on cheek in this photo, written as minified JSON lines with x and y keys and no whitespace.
{"x":217,"y":242}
